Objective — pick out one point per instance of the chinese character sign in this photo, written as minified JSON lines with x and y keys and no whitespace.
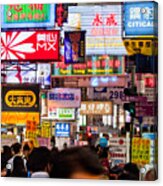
{"x":74,"y":47}
{"x":96,"y":108}
{"x":30,"y":45}
{"x":141,"y":151}
{"x":103,"y":25}
{"x":62,"y":129}
{"x":28,"y":15}
{"x":141,"y":18}
{"x":64,"y":98}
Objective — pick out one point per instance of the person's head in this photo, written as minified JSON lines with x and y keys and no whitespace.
{"x":38,"y":159}
{"x":65,"y":145}
{"x":18,"y":164}
{"x":151,"y":175}
{"x":16,"y":148}
{"x":132,"y":168}
{"x":7,"y":152}
{"x":77,"y":163}
{"x":3,"y":165}
{"x":26,"y":150}
{"x":103,"y":153}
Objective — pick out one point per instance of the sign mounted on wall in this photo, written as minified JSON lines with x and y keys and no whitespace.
{"x":20,"y":98}
{"x":142,"y":17}
{"x":103,"y":25}
{"x":74,"y":47}
{"x":30,"y":45}
{"x":28,"y":15}
{"x":64,"y":98}
{"x":62,"y":129}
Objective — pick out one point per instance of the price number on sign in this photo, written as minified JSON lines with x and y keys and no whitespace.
{"x":116,"y":95}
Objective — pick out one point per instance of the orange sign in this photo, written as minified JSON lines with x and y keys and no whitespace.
{"x":31,"y":125}
{"x":19,"y":117}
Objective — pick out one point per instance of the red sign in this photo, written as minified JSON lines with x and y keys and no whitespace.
{"x":30,"y":45}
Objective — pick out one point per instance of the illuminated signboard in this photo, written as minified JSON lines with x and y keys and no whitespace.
{"x":96,"y":108}
{"x":141,"y":18}
{"x":30,"y":45}
{"x":95,"y":65}
{"x":62,"y":129}
{"x":74,"y":47}
{"x":103,"y":26}
{"x":28,"y":15}
{"x":20,"y":98}
{"x":65,"y":114}
{"x":64,"y":98}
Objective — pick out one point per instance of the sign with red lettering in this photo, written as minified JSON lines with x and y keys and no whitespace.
{"x":30,"y":45}
{"x":103,"y":24}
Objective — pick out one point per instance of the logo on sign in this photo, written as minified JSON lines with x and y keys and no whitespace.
{"x":18,"y":98}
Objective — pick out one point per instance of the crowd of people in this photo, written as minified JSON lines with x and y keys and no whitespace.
{"x":85,"y":162}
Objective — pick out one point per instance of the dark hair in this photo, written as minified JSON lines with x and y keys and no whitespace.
{"x":103,"y":153}
{"x":38,"y":159}
{"x":7,"y":152}
{"x":132,"y":168}
{"x":18,"y":167}
{"x":75,"y":159}
{"x":3,"y":161}
{"x":26,"y":147}
{"x":127,"y":176}
{"x":16,"y":147}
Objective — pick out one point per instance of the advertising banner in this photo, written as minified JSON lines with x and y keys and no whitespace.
{"x":44,"y":142}
{"x":8,"y":140}
{"x":65,"y":114}
{"x":31,"y":125}
{"x":141,"y":18}
{"x":62,"y":129}
{"x":74,"y":47}
{"x":64,"y":98}
{"x":28,"y":15}
{"x":95,"y":65}
{"x":19,"y":118}
{"x":141,"y":151}
{"x":46,"y":129}
{"x":96,"y":108}
{"x":30,"y":45}
{"x":103,"y":22}
{"x":20,"y":98}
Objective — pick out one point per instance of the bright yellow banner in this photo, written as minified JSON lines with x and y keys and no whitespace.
{"x":19,"y":117}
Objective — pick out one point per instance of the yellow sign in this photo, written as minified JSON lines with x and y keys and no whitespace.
{"x":146,"y":47}
{"x":32,"y":135}
{"x":46,"y":129}
{"x":140,"y":151}
{"x":20,"y":98}
{"x":96,"y":108}
{"x":19,"y":117}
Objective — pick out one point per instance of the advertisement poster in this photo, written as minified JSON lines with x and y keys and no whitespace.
{"x":46,"y":129}
{"x":65,"y":113}
{"x":96,"y":108}
{"x":30,"y":45}
{"x":140,"y":151}
{"x":95,"y":65}
{"x":20,"y":98}
{"x":62,"y":129}
{"x":103,"y":22}
{"x":74,"y":47}
{"x":29,"y":15}
{"x":64,"y":98}
{"x":142,"y":17}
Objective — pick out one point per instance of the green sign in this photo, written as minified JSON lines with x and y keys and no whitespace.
{"x":28,"y":15}
{"x":106,"y":65}
{"x":65,"y":114}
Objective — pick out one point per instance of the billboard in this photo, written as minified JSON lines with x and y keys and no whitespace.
{"x":74,"y":47}
{"x":64,"y":98}
{"x":96,"y":108}
{"x":103,"y":22}
{"x":95,"y":65}
{"x":28,"y":15}
{"x":62,"y":129}
{"x":20,"y":98}
{"x":141,"y":19}
{"x":30,"y":45}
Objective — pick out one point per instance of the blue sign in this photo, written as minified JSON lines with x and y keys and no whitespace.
{"x":141,"y":18}
{"x":62,"y":129}
{"x":74,"y":47}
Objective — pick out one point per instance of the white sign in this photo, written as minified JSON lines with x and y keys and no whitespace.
{"x":103,"y":22}
{"x":117,"y":141}
{"x":65,"y":114}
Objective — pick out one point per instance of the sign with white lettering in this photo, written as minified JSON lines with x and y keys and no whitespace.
{"x":141,"y":18}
